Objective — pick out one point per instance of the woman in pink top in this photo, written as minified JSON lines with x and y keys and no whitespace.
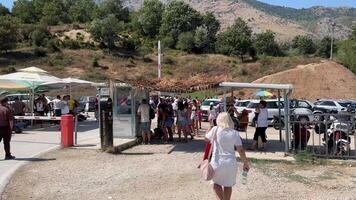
{"x":200,"y":116}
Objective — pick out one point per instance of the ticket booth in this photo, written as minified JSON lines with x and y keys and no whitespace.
{"x":126,"y":100}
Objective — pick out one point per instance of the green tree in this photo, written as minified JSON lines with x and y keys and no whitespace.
{"x":114,"y":7}
{"x":186,"y":42}
{"x":346,"y":54}
{"x":53,"y":12}
{"x":266,"y":44}
{"x":178,"y":18}
{"x":4,"y":10}
{"x":304,"y":44}
{"x":213,"y":26}
{"x":324,"y":47}
{"x":150,"y":17}
{"x":236,"y":40}
{"x":201,"y":39}
{"x":40,"y":36}
{"x":8,"y":32}
{"x":25,"y":11}
{"x":82,"y":10}
{"x":106,"y":30}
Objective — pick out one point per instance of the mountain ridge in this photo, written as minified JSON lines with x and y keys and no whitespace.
{"x":285,"y":21}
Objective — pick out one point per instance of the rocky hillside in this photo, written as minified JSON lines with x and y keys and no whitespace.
{"x":286,"y":22}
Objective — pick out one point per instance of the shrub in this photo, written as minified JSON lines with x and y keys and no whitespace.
{"x":95,"y":62}
{"x":147,"y":59}
{"x":168,"y":42}
{"x":168,"y":60}
{"x":186,"y":42}
{"x":60,"y":60}
{"x":70,"y":44}
{"x":40,"y":36}
{"x":40,"y":51}
{"x":8,"y":70}
{"x":52,"y":46}
{"x":265,"y":61}
{"x":243,"y":72}
{"x":94,"y":75}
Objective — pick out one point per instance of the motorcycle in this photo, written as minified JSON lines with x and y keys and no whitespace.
{"x":336,"y":134}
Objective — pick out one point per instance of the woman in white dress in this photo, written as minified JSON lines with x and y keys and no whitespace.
{"x":223,"y":160}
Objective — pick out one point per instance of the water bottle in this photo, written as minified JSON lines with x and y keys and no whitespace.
{"x":244,"y":177}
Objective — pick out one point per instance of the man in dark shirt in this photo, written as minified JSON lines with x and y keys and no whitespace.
{"x":6,"y":124}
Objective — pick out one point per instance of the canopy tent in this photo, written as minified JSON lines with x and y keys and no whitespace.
{"x":16,"y":85}
{"x":285,"y":88}
{"x":30,"y":78}
{"x":33,"y":75}
{"x":68,"y":82}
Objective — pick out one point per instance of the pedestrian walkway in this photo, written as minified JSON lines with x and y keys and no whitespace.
{"x":30,"y":144}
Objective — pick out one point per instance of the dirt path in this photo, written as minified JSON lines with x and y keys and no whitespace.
{"x":169,"y":172}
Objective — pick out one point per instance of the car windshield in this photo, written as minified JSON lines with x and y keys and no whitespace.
{"x":252,"y":105}
{"x":207,"y":103}
{"x":344,"y":104}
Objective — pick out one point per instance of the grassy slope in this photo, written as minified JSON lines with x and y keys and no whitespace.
{"x":78,"y":63}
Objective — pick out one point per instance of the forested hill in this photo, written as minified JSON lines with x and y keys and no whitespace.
{"x":305,"y":14}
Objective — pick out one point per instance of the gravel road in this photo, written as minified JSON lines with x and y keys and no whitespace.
{"x":169,"y":172}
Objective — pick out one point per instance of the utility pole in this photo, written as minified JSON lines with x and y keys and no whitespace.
{"x":332,"y":39}
{"x":159,"y":59}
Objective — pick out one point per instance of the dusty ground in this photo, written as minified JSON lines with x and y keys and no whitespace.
{"x":169,"y":172}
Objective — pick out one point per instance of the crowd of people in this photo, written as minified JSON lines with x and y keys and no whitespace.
{"x":183,"y":116}
{"x":180,"y":116}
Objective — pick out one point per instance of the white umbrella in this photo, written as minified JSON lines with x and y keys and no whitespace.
{"x":35,"y":76}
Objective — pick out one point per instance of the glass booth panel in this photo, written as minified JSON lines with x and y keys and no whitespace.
{"x":123,"y":120}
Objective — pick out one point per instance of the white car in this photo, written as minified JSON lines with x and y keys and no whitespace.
{"x":206,"y":105}
{"x":240,"y":105}
{"x":272,"y":108}
{"x":326,"y":104}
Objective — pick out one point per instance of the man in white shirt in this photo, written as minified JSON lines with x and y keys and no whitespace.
{"x":144,"y":113}
{"x":57,"y":106}
{"x":262,"y":124}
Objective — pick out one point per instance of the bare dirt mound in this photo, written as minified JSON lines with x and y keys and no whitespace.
{"x":316,"y":81}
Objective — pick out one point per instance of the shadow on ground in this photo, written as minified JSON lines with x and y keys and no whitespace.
{"x":34,"y":159}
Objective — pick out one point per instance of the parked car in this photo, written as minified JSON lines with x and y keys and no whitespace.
{"x":240,"y":105}
{"x":23,"y":97}
{"x":297,"y":103}
{"x":206,"y":105}
{"x":272,"y":107}
{"x":327,"y":105}
{"x":87,"y":103}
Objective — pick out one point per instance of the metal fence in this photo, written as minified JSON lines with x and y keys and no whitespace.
{"x":325,"y":135}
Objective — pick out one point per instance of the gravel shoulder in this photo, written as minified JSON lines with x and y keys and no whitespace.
{"x":169,"y":172}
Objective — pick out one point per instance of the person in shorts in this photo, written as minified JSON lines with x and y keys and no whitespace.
{"x":262,"y":124}
{"x":144,"y":114}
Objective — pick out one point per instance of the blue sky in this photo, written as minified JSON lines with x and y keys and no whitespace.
{"x":7,"y":3}
{"x":289,"y":3}
{"x":310,"y":3}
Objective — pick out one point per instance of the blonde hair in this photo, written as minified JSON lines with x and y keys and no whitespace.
{"x":224,"y":121}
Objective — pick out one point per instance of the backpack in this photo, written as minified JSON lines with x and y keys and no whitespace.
{"x":152,"y":113}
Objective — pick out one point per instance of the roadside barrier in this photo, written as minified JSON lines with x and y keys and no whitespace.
{"x":69,"y":125}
